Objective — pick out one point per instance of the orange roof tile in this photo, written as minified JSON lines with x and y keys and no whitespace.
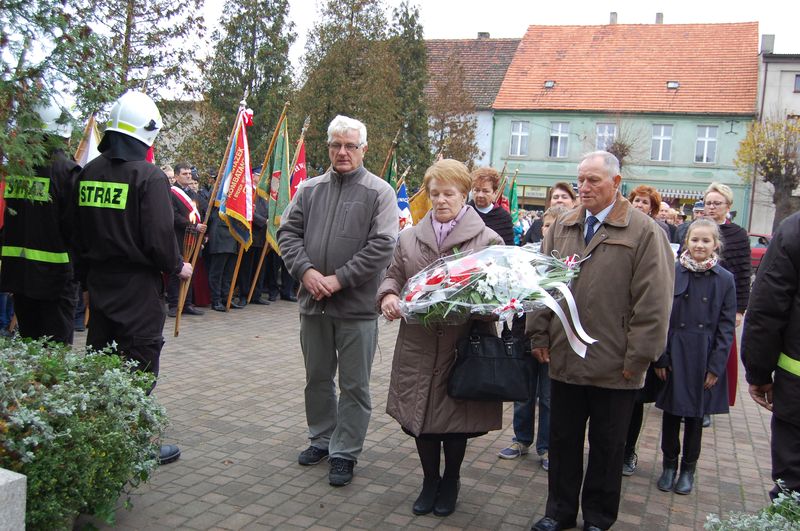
{"x":484,"y":60}
{"x":625,"y":67}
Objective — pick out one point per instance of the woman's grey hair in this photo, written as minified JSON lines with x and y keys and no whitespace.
{"x":609,"y":161}
{"x":342,"y":124}
{"x":722,"y":189}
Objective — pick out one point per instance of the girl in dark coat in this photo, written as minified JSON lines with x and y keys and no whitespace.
{"x":701,"y":330}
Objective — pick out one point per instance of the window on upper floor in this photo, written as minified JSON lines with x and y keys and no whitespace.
{"x":559,"y":135}
{"x":706,"y":147}
{"x":797,"y":82}
{"x":606,"y":134}
{"x":519,"y":139}
{"x":661,"y":146}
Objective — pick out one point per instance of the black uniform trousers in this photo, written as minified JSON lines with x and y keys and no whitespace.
{"x":51,"y":317}
{"x":174,"y":289}
{"x":220,"y":274}
{"x":608,"y":412}
{"x":125,"y":307}
{"x":246,"y":272}
{"x":278,"y":277}
{"x":785,"y":455}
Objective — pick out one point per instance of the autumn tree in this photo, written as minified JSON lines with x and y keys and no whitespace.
{"x":408,"y":47}
{"x":48,"y":52}
{"x":451,"y":111}
{"x":349,"y":69}
{"x":771,"y":151}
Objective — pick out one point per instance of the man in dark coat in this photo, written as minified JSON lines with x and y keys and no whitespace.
{"x":771,"y":348}
{"x":187,"y":217}
{"x":124,"y":239}
{"x":222,"y":251}
{"x":252,"y":255}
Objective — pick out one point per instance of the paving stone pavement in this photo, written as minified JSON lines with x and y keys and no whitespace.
{"x":233,"y":387}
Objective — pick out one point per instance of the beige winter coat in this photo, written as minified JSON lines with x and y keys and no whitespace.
{"x":623,"y":293}
{"x":423,"y":356}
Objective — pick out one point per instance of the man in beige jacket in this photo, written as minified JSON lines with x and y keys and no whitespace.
{"x":624,"y":297}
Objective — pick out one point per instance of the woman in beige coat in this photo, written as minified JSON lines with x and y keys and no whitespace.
{"x":423,"y":356}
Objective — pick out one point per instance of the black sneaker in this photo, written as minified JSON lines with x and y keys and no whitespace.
{"x":629,"y":465}
{"x":341,"y":473}
{"x":312,"y":455}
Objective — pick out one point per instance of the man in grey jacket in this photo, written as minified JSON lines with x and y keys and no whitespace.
{"x":337,"y":237}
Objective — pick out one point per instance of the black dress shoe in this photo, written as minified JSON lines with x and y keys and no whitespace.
{"x":236,"y":306}
{"x":427,"y":498}
{"x":260,"y":301}
{"x":591,"y":527}
{"x":272,"y":297}
{"x":168,"y":454}
{"x":172,"y":311}
{"x":290,"y":298}
{"x":550,"y":524}
{"x":218,"y":307}
{"x":192,"y":310}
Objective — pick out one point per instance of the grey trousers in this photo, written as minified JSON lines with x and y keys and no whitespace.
{"x":339,"y":425}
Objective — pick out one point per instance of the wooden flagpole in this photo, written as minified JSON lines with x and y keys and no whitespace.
{"x":265,"y":249}
{"x":199,"y":243}
{"x":391,"y":150}
{"x":502,"y":187}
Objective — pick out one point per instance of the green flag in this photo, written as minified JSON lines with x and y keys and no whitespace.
{"x":391,"y":172}
{"x":279,"y":186}
{"x":513,"y":203}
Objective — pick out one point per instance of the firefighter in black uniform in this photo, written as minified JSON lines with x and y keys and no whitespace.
{"x":771,"y":348}
{"x":125,"y":238}
{"x":37,"y":267}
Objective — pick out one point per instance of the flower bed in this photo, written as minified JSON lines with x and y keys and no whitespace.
{"x":79,"y":425}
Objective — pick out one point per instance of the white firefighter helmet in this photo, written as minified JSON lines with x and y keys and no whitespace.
{"x":135,"y":114}
{"x":55,"y":119}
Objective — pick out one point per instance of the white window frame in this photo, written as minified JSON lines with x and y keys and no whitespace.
{"x":519,"y":138}
{"x":606,"y":135}
{"x":663,"y":139}
{"x":559,"y":131}
{"x":706,"y":143}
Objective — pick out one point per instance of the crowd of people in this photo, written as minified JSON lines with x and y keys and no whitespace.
{"x":664,"y":320}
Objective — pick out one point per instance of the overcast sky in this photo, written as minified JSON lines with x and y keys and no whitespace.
{"x":463,"y":19}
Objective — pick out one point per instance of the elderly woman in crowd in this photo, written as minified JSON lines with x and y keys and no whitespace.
{"x":561,"y":194}
{"x":647,"y":199}
{"x":423,"y":356}
{"x":735,"y":257}
{"x":485,"y":182}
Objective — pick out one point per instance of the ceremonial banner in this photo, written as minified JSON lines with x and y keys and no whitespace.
{"x":299,"y":173}
{"x":235,"y":197}
{"x":279,"y":187}
{"x":391,"y":172}
{"x":513,"y":202}
{"x":406,"y":220}
{"x":265,"y":179}
{"x":419,"y":204}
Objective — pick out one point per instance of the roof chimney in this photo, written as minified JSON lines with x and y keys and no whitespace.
{"x":659,"y":18}
{"x":483,"y":34}
{"x":767,"y":43}
{"x":613,"y":18}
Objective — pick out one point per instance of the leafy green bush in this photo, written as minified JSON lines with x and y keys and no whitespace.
{"x":782,"y":514}
{"x":79,"y":425}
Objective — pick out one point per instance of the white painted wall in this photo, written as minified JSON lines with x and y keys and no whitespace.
{"x":483,"y":136}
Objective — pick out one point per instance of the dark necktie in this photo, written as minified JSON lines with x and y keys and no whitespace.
{"x":590,"y":222}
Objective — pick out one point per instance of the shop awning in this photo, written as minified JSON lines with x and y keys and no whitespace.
{"x":671,"y":193}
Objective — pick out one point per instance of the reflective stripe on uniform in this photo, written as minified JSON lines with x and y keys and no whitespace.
{"x":789,"y":364}
{"x":35,"y":254}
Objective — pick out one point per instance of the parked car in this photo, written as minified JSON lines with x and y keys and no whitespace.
{"x":758,"y":246}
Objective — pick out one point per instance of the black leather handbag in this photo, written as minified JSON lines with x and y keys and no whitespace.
{"x":494,"y":368}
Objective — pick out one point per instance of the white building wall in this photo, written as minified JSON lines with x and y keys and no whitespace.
{"x":483,"y":136}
